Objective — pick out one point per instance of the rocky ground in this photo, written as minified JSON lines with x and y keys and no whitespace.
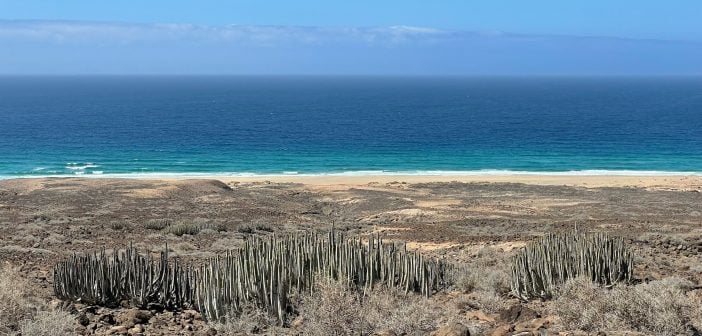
{"x":44,"y":221}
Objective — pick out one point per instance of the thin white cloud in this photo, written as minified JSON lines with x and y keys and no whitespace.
{"x":120,"y":33}
{"x":123,"y":48}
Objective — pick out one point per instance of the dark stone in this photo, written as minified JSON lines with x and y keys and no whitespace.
{"x":518,"y":313}
{"x":108,"y":319}
{"x":454,"y":329}
{"x":155,"y":307}
{"x":83,"y":319}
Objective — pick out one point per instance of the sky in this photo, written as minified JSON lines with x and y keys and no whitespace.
{"x":351,"y":37}
{"x":670,"y":19}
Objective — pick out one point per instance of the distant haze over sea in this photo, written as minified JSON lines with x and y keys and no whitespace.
{"x":98,"y":126}
{"x":78,"y":47}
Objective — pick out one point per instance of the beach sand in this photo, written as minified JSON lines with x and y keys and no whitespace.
{"x":659,"y":182}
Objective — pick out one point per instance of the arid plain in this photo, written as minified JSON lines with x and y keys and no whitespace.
{"x":474,"y":222}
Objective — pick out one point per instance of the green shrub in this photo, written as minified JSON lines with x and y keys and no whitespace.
{"x":246,"y":229}
{"x":264,"y":227}
{"x":158,"y":224}
{"x":182,"y":228}
{"x":120,"y":225}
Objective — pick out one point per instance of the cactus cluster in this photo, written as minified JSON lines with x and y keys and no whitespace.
{"x":265,"y":272}
{"x":552,"y":260}
{"x":125,"y":276}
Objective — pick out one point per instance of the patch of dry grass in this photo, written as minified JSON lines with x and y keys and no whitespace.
{"x":21,"y":312}
{"x":252,"y":320}
{"x":660,"y":307}
{"x":193,"y":227}
{"x":335,"y":310}
{"x":486,"y":277}
{"x":15,"y":300}
{"x":49,"y":323}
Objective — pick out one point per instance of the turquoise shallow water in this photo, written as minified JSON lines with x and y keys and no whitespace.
{"x":99,"y":126}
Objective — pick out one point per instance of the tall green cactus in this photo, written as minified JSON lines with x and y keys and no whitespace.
{"x":264,"y":273}
{"x":99,"y":279}
{"x":552,"y":260}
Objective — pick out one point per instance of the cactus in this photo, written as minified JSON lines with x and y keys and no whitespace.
{"x":552,"y":260}
{"x":99,"y":279}
{"x":265,"y":272}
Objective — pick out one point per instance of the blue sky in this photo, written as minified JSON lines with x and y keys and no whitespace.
{"x":670,"y":19}
{"x":360,"y":37}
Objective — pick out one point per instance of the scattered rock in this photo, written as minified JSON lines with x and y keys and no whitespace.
{"x":134,"y":316}
{"x":83,"y":319}
{"x":535,"y":325}
{"x":190,"y":315}
{"x":503,"y":330}
{"x":454,"y":329}
{"x":518,"y":313}
{"x":154,"y":307}
{"x":117,"y":330}
{"x":138,"y":329}
{"x":480,"y":315}
{"x":107,"y":318}
{"x":386,"y":332}
{"x":297,"y":322}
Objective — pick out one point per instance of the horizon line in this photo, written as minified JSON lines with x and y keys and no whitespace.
{"x":370,"y":75}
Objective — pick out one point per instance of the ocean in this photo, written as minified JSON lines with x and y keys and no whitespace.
{"x":163,"y":126}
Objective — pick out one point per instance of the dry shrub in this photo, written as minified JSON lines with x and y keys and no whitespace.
{"x":487,"y":271}
{"x":489,"y":302}
{"x":49,"y":323}
{"x":486,"y":277}
{"x":15,"y":300}
{"x":183,"y":248}
{"x":659,"y":307}
{"x":335,"y":310}
{"x":23,"y":312}
{"x":252,"y":320}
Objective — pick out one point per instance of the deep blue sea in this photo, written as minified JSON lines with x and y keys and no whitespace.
{"x":91,"y":126}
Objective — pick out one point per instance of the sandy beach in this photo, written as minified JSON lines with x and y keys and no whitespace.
{"x":669,"y":182}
